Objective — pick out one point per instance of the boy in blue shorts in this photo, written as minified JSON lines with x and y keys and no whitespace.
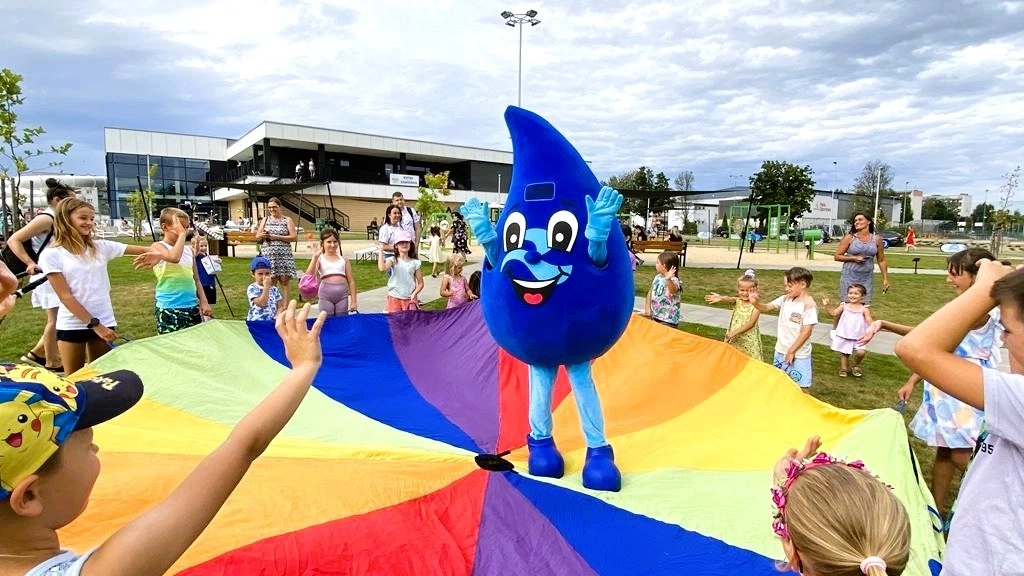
{"x":798,"y":313}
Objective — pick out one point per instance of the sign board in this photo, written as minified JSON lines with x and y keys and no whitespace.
{"x":952,"y":247}
{"x":405,"y":180}
{"x":822,"y":208}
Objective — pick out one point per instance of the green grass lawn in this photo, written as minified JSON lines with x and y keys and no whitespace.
{"x":132,"y":296}
{"x":911,"y":298}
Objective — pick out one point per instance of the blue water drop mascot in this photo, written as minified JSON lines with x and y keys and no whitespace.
{"x":557,"y":285}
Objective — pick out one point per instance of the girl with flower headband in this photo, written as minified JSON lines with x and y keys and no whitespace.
{"x":743,"y":332}
{"x":835,"y":518}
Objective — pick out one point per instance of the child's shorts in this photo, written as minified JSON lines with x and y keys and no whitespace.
{"x":799,"y":370}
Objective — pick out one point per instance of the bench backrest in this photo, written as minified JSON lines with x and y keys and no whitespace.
{"x":233,"y":236}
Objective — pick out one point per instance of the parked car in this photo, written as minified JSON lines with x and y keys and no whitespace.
{"x":891,"y":239}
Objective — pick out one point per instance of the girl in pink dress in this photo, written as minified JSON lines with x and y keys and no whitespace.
{"x":854,"y":319}
{"x":454,"y":285}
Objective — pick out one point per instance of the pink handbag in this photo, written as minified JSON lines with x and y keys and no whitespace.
{"x":309,"y":285}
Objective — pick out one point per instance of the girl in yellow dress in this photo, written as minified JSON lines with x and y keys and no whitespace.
{"x":743,"y":332}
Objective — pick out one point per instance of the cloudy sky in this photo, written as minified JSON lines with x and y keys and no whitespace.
{"x":932,"y":87}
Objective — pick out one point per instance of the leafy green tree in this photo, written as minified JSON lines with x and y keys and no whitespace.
{"x":643,"y":179}
{"x":18,"y":145}
{"x":983,"y":213}
{"x":429,"y":201}
{"x":875,"y":174}
{"x":939,"y":209}
{"x":783,"y":183}
{"x":684,"y":183}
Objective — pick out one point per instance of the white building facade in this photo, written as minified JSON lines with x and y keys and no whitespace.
{"x":352,"y":178}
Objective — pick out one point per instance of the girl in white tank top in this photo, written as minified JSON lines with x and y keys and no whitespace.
{"x":337,"y":291}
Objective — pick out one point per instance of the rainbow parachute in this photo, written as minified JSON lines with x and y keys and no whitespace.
{"x":380,"y":470}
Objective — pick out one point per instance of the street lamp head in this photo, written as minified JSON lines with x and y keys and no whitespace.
{"x":510,"y":23}
{"x":532,"y":13}
{"x":506,"y":14}
{"x":534,"y":22}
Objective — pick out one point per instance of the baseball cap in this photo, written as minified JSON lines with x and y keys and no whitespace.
{"x":402,"y":236}
{"x":39,"y":410}
{"x":259,"y":262}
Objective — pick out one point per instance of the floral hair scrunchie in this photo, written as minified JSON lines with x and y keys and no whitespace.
{"x":795,"y":468}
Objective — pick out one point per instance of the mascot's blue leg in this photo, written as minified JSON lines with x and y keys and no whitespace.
{"x":599,"y":471}
{"x":544,"y":457}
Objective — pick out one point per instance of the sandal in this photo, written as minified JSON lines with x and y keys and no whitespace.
{"x":842,"y":373}
{"x":58,"y":370}
{"x":857,"y":372}
{"x":33,"y":358}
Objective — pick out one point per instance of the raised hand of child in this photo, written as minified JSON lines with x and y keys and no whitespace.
{"x":301,"y":341}
{"x":713,"y":298}
{"x":793,"y":455}
{"x":753,"y":296}
{"x":670,"y":272}
{"x":147,"y":260}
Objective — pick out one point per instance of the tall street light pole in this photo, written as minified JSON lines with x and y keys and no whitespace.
{"x":905,"y":207}
{"x":834,"y":208}
{"x":878,"y":189}
{"x":520,"y":20}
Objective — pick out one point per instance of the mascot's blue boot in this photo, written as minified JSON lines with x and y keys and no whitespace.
{"x":544,"y":458}
{"x":600,"y":472}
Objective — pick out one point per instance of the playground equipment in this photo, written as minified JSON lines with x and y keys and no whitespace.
{"x":776,"y":216}
{"x":812,"y":236}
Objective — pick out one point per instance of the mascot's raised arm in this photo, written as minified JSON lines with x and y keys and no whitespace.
{"x":557,"y":284}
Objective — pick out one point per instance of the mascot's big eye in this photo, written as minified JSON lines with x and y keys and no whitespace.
{"x":562,"y":230}
{"x":22,"y":418}
{"x":515,"y":228}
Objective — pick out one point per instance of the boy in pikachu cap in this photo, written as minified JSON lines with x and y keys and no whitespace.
{"x":48,"y":464}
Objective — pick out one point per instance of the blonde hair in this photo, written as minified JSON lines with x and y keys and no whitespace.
{"x":169,"y":215}
{"x":838,"y":516}
{"x":65,"y":234}
{"x":453,"y":261}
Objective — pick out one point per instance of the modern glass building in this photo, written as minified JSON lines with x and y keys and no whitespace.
{"x":354,"y":175}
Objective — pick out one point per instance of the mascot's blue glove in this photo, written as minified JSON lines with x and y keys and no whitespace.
{"x":476,"y":214}
{"x":600,"y":217}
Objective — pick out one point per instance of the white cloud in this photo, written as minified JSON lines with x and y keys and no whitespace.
{"x":711,"y":86}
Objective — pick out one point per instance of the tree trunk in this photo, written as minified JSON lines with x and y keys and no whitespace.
{"x":996,"y":242}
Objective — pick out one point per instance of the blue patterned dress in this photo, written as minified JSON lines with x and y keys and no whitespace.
{"x":859,"y":273}
{"x":944,"y":421}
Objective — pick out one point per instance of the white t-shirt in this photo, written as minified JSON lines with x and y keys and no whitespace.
{"x":410,"y":217}
{"x":403,"y":278}
{"x":67,"y":563}
{"x":793,"y":316}
{"x":987,"y":533}
{"x":87,"y":279}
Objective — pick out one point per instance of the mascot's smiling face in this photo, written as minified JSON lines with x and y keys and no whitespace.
{"x":541,"y":241}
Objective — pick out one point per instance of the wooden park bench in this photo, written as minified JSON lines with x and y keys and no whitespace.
{"x":236,"y":237}
{"x":640,"y":246}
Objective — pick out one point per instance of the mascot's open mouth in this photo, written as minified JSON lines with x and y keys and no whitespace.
{"x":535,"y":292}
{"x":14,"y":440}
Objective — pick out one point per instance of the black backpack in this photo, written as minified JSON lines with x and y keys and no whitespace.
{"x":14,"y":263}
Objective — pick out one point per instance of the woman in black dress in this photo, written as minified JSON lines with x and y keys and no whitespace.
{"x":460,"y":238}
